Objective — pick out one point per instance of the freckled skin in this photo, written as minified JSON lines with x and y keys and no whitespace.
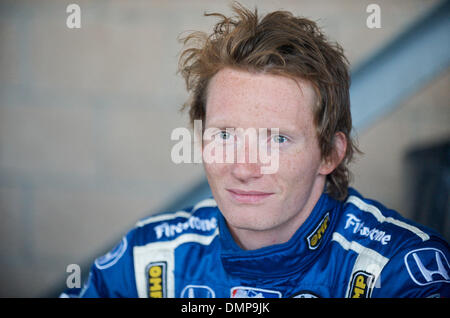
{"x":242,"y":99}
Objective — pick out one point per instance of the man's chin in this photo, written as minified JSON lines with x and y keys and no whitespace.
{"x":250,"y":222}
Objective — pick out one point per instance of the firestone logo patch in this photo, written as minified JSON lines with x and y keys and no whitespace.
{"x":358,"y":227}
{"x":193,"y":223}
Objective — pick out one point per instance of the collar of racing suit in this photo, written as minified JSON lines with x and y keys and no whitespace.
{"x":282,"y":259}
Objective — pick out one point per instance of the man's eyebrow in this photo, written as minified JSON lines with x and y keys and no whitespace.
{"x":281,"y":130}
{"x":219,"y":124}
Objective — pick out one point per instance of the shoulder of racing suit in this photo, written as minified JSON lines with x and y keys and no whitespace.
{"x":395,"y":257}
{"x":186,"y":224}
{"x":120,"y":273}
{"x":378,"y":252}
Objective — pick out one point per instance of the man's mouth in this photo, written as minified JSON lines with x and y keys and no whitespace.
{"x":244,"y":196}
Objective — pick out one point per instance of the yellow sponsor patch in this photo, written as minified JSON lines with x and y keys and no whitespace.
{"x":315,"y":237}
{"x":156,"y":279}
{"x":361,"y":286}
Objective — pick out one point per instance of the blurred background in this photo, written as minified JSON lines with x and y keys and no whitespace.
{"x":86,"y":116}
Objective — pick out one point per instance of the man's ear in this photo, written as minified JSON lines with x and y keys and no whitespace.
{"x":336,"y":156}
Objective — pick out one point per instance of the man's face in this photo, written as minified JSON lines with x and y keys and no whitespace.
{"x":248,"y":199}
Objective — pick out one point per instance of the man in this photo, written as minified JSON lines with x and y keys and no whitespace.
{"x":299,"y":231}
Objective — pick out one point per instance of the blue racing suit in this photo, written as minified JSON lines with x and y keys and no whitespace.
{"x":352,"y":248}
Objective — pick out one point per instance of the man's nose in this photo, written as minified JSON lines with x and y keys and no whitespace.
{"x":246,"y":171}
{"x":247,"y":165}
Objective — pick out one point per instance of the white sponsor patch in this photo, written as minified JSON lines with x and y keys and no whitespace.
{"x":113,"y":256}
{"x":193,"y":223}
{"x":374,"y":234}
{"x":251,"y":292}
{"x":427,"y":266}
{"x":197,"y":291}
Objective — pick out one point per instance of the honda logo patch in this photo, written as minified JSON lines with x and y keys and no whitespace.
{"x":427,"y":266}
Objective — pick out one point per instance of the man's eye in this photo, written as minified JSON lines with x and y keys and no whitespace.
{"x":279,"y":139}
{"x":224,"y":135}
